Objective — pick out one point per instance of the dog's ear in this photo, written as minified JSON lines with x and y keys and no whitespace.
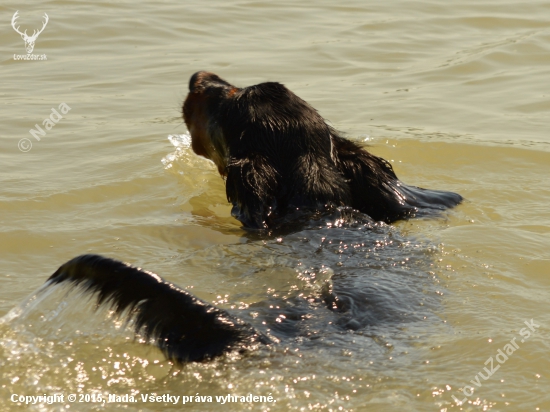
{"x":252,"y":183}
{"x":319,"y":181}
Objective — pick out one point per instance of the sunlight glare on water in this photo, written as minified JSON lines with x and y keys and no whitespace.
{"x":453,"y":95}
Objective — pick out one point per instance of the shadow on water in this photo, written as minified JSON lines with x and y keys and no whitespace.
{"x":338,"y":288}
{"x":351,"y":274}
{"x":354,"y":275}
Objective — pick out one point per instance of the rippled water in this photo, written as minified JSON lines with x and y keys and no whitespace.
{"x":453,"y":94}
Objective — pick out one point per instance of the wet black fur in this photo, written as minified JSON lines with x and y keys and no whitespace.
{"x":283,"y":156}
{"x":280,"y":156}
{"x":184,"y":327}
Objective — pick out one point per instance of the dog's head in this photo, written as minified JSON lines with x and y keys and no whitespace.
{"x":274,"y":149}
{"x":201,"y":112}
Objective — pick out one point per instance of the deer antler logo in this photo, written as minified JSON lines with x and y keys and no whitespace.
{"x":29,"y":40}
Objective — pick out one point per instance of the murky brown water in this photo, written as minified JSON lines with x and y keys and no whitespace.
{"x":455,"y":95}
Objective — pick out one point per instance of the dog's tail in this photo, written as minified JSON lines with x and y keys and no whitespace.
{"x":184,"y":327}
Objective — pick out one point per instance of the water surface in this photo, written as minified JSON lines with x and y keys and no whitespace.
{"x":454,"y":95}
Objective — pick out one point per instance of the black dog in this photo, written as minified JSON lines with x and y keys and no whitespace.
{"x":279,"y":156}
{"x":281,"y":162}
